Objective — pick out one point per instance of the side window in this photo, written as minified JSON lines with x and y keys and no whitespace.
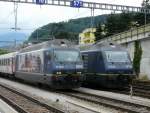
{"x":4,"y":62}
{"x":100,"y":55}
{"x":48,"y":55}
{"x":8,"y":61}
{"x":84,"y":56}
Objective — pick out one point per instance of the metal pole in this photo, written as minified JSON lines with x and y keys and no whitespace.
{"x":131,"y":91}
{"x":15,"y":14}
{"x":91,"y":17}
{"x":92,"y":20}
{"x":37,"y":35}
{"x":145,"y":23}
{"x":146,"y":3}
{"x":15,"y":43}
{"x":145,"y":17}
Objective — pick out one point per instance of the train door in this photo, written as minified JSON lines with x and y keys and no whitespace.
{"x":85,"y":61}
{"x":48,"y":62}
{"x":100,"y":63}
{"x":92,"y":61}
{"x":12,"y":61}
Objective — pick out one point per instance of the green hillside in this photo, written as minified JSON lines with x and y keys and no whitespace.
{"x":68,"y":30}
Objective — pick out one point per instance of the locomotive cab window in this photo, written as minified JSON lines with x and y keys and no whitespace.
{"x":66,"y":56}
{"x":116,"y":56}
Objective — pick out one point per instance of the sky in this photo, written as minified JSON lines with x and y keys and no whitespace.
{"x":31,"y":16}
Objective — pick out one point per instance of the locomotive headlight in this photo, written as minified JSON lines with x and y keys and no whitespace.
{"x":79,"y":66}
{"x":128,"y":66}
{"x":79,"y":72}
{"x":59,"y":67}
{"x":111,"y":66}
{"x":58,"y":73}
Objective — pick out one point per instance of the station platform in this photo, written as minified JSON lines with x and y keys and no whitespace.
{"x":116,"y":96}
{"x":5,"y":108}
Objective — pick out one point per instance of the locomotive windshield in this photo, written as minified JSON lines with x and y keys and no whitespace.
{"x":66,"y":56}
{"x":117,"y":56}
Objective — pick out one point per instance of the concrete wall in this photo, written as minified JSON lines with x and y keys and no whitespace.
{"x":145,"y":61}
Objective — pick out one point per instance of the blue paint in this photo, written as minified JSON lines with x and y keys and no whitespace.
{"x":76,"y":3}
{"x":40,"y":2}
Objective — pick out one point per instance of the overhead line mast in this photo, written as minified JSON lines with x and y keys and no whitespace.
{"x":15,"y":14}
{"x":90,"y":5}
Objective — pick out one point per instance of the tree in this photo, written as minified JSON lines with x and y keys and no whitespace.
{"x":2,"y":51}
{"x":62,"y":35}
{"x":99,"y":34}
{"x":117,"y":23}
{"x":146,"y":4}
{"x":125,"y":20}
{"x":111,"y":24}
{"x":137,"y":57}
{"x":73,"y":27}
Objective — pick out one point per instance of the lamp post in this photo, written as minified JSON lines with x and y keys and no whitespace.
{"x":145,"y":12}
{"x":146,"y":3}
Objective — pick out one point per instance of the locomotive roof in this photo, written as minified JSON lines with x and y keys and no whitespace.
{"x":57,"y":43}
{"x":101,"y":46}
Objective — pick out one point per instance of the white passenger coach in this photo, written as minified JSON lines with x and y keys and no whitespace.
{"x":7,"y":63}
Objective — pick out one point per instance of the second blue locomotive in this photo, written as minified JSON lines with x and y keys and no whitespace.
{"x":107,"y":65}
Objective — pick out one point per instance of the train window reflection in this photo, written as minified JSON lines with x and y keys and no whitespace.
{"x":66,"y":56}
{"x":117,"y":56}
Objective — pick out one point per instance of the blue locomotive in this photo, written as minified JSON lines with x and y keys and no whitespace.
{"x":107,"y":65}
{"x":54,"y":63}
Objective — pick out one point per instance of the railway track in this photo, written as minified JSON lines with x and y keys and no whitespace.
{"x":99,"y":100}
{"x":136,"y":92}
{"x":21,"y":109}
{"x":24,"y":103}
{"x":140,"y":89}
{"x":124,"y":107}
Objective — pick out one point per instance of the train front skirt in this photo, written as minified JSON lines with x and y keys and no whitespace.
{"x":108,"y":80}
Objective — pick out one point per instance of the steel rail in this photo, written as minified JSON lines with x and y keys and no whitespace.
{"x":108,"y":102}
{"x":51,"y":108}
